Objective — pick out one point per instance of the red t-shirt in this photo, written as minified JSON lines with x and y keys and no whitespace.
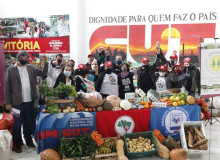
{"x":39,"y":31}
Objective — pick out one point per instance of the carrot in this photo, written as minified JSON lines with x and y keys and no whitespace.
{"x":201,"y":142}
{"x":190,"y":139}
{"x":199,"y":133}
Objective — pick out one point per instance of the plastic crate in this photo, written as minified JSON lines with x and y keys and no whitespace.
{"x":131,"y":155}
{"x":191,"y":153}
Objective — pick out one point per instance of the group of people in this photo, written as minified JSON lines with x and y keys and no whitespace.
{"x":109,"y":78}
{"x":36,"y":31}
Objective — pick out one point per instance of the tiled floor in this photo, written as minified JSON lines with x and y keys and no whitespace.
{"x":212,"y":133}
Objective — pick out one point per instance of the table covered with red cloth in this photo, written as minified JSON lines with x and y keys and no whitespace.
{"x":108,"y":122}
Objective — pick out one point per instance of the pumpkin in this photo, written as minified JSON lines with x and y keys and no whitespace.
{"x":178,"y":154}
{"x":114,"y":100}
{"x":107,"y":106}
{"x":125,"y":105}
{"x":190,"y":100}
{"x":49,"y":154}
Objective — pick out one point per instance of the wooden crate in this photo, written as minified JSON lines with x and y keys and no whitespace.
{"x":99,"y":156}
{"x":60,"y":101}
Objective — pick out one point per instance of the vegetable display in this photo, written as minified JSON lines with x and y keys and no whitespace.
{"x":97,"y":138}
{"x":109,"y":146}
{"x":83,"y":146}
{"x":53,"y":109}
{"x":195,"y":139}
{"x":139,"y":144}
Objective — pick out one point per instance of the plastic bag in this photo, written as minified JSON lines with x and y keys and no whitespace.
{"x":183,"y":89}
{"x":4,"y":124}
{"x":10,"y":119}
{"x":5,"y":144}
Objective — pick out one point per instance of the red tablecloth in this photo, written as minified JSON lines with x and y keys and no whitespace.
{"x":107,"y":126}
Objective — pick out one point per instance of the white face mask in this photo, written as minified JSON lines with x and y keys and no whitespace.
{"x":162,"y":74}
{"x":93,"y":69}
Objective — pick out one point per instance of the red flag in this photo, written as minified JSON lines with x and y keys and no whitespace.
{"x":31,"y":58}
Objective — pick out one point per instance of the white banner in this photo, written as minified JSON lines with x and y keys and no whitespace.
{"x":210,"y":68}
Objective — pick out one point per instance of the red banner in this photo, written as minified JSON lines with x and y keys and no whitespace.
{"x":2,"y":70}
{"x":37,"y":45}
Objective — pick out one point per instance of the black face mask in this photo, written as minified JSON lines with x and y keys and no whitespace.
{"x":23,"y":62}
{"x":172,"y":62}
{"x":59,"y":60}
{"x":145,"y":66}
{"x":81,"y":72}
{"x":109,"y":71}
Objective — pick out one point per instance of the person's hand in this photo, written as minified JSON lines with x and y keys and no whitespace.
{"x":9,"y":107}
{"x":107,"y":53}
{"x":129,"y":63}
{"x":135,"y":71}
{"x":169,"y":69}
{"x":45,"y":58}
{"x":100,"y":49}
{"x":55,"y":63}
{"x":96,"y":67}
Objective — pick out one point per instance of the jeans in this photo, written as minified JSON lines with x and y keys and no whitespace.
{"x":25,"y":118}
{"x":34,"y":118}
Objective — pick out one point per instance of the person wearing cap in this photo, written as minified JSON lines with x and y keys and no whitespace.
{"x":171,"y":62}
{"x":90,"y":59}
{"x":182,"y":78}
{"x":80,"y":71}
{"x":145,"y":74}
{"x":125,"y":80}
{"x":164,"y":78}
{"x":107,"y":83}
{"x":65,"y":76}
{"x":194,"y":73}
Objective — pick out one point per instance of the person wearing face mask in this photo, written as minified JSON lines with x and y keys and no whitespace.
{"x":107,"y":83}
{"x":72,"y":63}
{"x":82,"y":72}
{"x":194,"y":73}
{"x":94,"y":70}
{"x":125,"y":80}
{"x":56,"y":64}
{"x":90,"y":59}
{"x":65,"y":76}
{"x":182,"y":78}
{"x":145,"y":74}
{"x":164,"y":78}
{"x":20,"y":81}
{"x":171,"y":62}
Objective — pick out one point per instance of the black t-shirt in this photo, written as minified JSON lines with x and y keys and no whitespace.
{"x":126,"y":85}
{"x":146,"y":81}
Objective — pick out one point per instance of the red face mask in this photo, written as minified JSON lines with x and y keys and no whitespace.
{"x":178,"y":70}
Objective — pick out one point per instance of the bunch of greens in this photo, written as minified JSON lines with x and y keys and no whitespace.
{"x":66,"y":90}
{"x":53,"y":109}
{"x":44,"y":90}
{"x":79,"y":147}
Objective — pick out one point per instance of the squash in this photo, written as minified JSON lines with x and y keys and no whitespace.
{"x":120,"y":150}
{"x":114,"y":100}
{"x":125,"y":105}
{"x":190,"y":100}
{"x":163,"y":151}
{"x":178,"y":154}
{"x":49,"y":154}
{"x":99,"y":109}
{"x":107,"y":106}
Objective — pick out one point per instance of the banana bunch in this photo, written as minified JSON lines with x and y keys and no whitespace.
{"x":104,"y":150}
{"x":109,"y":145}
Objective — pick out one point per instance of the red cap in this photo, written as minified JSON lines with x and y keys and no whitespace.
{"x":174,"y":56}
{"x":81,"y":66}
{"x":178,"y":64}
{"x":91,"y":55}
{"x":145,"y":59}
{"x":108,"y":63}
{"x":186,"y":60}
{"x":163,"y":67}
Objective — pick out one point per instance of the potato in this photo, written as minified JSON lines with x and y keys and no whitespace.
{"x":149,"y":141}
{"x":134,"y":146}
{"x":141,"y":144}
{"x":138,"y":146}
{"x":145,"y":149}
{"x":140,"y":140}
{"x":139,"y":150}
{"x":127,"y":139}
{"x":139,"y":137}
{"x":152,"y":145}
{"x":130,"y":146}
{"x":153,"y":148}
{"x":68,"y":107}
{"x":130,"y":142}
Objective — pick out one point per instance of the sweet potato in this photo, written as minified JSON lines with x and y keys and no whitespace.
{"x":202,"y":147}
{"x":201,"y":142}
{"x":199,"y":133}
{"x":163,"y":151}
{"x":190,"y":139}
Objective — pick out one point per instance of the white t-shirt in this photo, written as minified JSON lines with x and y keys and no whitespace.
{"x":25,"y":84}
{"x":110,"y":84}
{"x":161,"y":84}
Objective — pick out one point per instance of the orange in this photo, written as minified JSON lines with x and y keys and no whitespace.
{"x":146,"y":106}
{"x":180,"y":103}
{"x":152,"y":106}
{"x":149,"y":102}
{"x":142,"y":102}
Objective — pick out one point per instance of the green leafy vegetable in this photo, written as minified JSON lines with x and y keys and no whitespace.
{"x":66,"y":90}
{"x":79,"y":147}
{"x":53,"y":109}
{"x":47,"y":91}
